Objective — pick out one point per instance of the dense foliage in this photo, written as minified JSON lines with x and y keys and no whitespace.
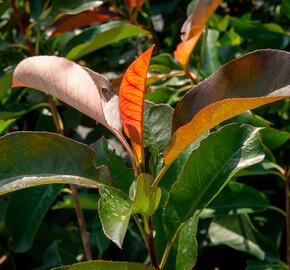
{"x":194,"y":180}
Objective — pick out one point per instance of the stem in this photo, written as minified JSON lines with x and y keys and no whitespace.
{"x":82,"y":223}
{"x":79,"y":213}
{"x":150,"y":243}
{"x":166,"y":251}
{"x":128,"y":150}
{"x":148,"y":239}
{"x":21,"y":26}
{"x":159,"y":176}
{"x":287,"y":210}
{"x":55,"y":116}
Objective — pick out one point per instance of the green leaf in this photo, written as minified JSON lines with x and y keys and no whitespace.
{"x":72,"y":6}
{"x":114,"y":211}
{"x":36,"y":8}
{"x":207,"y":171}
{"x":236,"y":198}
{"x":37,"y":158}
{"x":4,"y":124}
{"x":239,"y":233}
{"x":122,"y":176}
{"x":187,"y":246}
{"x":163,"y":63}
{"x":146,"y":199}
{"x":25,"y":212}
{"x":157,"y":132}
{"x":211,"y":61}
{"x":87,"y":202}
{"x":274,"y":138}
{"x":106,"y":265}
{"x":101,"y":36}
{"x":157,"y":126}
{"x":5,"y":82}
{"x":266,"y":265}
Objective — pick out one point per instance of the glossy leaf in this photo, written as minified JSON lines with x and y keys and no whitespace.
{"x":85,"y":18}
{"x":208,"y":169}
{"x":104,"y":35}
{"x":105,"y":265}
{"x":157,"y":126}
{"x":82,"y":88}
{"x":239,"y":233}
{"x":157,"y":132}
{"x":114,"y":211}
{"x":72,"y":6}
{"x":243,"y":84}
{"x":193,"y":27}
{"x":36,"y":158}
{"x":25,"y":213}
{"x":146,"y":199}
{"x":237,"y":198}
{"x":131,"y":102}
{"x":187,"y":246}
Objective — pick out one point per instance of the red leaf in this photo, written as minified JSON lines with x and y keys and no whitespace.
{"x":131,"y":4}
{"x":85,"y":18}
{"x":192,"y":29}
{"x":131,"y":102}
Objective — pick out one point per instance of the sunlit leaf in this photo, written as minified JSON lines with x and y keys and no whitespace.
{"x":85,"y":90}
{"x":146,"y":199}
{"x":187,"y":246}
{"x":72,"y":6}
{"x":207,"y":170}
{"x":114,"y":211}
{"x":102,"y":36}
{"x":239,"y":233}
{"x":193,"y":27}
{"x":131,"y":102}
{"x":243,"y":84}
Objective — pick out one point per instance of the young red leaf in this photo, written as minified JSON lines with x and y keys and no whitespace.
{"x":131,"y":102}
{"x":192,"y":29}
{"x":89,"y":17}
{"x":131,"y":4}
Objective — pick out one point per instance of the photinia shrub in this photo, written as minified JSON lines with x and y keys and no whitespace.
{"x":165,"y":206}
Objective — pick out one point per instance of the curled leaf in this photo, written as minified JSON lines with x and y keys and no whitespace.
{"x":87,"y":91}
{"x":193,"y":27}
{"x":240,"y":85}
{"x":131,"y":102}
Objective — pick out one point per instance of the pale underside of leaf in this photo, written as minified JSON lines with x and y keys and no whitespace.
{"x":21,"y":182}
{"x":79,"y":87}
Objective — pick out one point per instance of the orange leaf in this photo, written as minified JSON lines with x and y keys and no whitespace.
{"x":131,"y":4}
{"x":243,"y":84}
{"x":131,"y":102}
{"x":192,"y":29}
{"x":85,"y":18}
